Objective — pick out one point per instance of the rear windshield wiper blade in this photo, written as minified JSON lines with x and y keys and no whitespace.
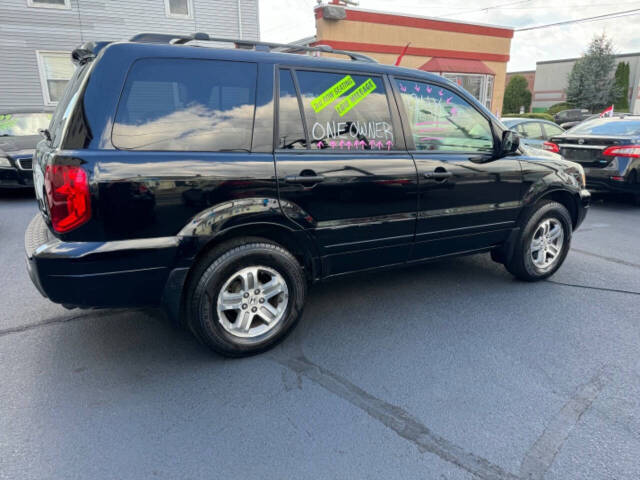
{"x":46,"y":134}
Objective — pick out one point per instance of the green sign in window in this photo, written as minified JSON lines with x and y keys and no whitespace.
{"x":356,"y":97}
{"x":332,"y":93}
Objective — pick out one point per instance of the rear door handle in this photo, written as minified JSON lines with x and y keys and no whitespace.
{"x":303,"y":178}
{"x":437,"y":175}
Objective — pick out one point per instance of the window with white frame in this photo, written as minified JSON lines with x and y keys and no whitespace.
{"x":178,"y":8}
{"x":478,"y":85}
{"x":65,"y":4}
{"x":55,"y":71}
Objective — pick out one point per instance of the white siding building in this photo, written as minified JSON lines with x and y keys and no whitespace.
{"x":37,"y":36}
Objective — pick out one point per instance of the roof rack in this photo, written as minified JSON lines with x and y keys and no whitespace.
{"x":245,"y":44}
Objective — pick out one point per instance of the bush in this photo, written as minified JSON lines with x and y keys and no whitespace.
{"x":558,"y":107}
{"x":516,"y":95}
{"x":540,"y":116}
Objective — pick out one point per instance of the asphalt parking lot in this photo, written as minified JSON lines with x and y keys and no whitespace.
{"x":451,"y":370}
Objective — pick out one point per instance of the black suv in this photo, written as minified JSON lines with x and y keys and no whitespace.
{"x":220,"y":183}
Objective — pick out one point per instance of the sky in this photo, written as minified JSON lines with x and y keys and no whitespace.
{"x":288,"y":20}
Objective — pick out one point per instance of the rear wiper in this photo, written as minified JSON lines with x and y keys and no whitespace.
{"x":46,"y":134}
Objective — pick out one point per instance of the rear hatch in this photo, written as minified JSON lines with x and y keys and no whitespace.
{"x":46,"y":149}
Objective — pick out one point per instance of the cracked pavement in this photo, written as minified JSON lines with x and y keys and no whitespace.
{"x":450,"y":370}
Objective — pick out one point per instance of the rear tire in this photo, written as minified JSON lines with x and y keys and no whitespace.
{"x":245,"y":296}
{"x":543,"y":243}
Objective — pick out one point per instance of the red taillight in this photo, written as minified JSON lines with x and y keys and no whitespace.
{"x":550,"y":146}
{"x":68,"y":197}
{"x":623,"y":151}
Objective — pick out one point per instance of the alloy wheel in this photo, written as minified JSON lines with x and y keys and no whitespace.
{"x":546,"y":244}
{"x":252,"y":301}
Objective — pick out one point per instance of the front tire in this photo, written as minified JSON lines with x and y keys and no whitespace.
{"x":245,"y":296}
{"x":543,"y":244}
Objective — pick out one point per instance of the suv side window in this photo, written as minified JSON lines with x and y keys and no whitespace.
{"x":290,"y":127}
{"x":346,"y":111}
{"x":185,"y":104}
{"x":441,"y":120}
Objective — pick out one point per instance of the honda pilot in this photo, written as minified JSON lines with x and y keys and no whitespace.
{"x":222,"y":183}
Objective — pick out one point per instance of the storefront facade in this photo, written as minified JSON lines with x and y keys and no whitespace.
{"x":474,"y":56}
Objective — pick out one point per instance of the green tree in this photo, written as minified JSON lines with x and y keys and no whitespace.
{"x":591,"y":82}
{"x":516,"y":95}
{"x":622,"y":86}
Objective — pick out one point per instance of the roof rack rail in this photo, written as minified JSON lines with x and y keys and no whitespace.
{"x":246,"y":44}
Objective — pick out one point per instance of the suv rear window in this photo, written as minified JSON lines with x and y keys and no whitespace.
{"x":346,"y":111}
{"x":184,"y":104}
{"x":67,"y":103}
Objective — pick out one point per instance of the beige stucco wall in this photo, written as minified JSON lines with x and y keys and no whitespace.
{"x":364,"y":32}
{"x":399,"y":36}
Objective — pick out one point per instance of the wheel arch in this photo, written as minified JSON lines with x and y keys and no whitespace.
{"x":564,"y":197}
{"x":249,"y":217}
{"x":570,"y":200}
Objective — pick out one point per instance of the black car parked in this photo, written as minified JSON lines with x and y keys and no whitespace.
{"x":18,"y":139}
{"x":570,"y":118}
{"x":220,"y":183}
{"x":609,"y":151}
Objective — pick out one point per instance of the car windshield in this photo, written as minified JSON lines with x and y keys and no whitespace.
{"x":22,"y":124}
{"x":608,"y":126}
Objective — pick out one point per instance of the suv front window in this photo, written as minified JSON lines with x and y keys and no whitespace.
{"x":441,"y":120}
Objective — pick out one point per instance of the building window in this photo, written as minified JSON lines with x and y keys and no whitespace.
{"x":55,"y":71}
{"x":64,"y":4}
{"x":480,"y":86}
{"x":178,"y":8}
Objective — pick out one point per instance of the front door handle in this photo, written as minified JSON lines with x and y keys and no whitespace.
{"x":303,"y":178}
{"x":439,"y":176}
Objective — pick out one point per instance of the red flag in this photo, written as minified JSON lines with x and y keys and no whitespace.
{"x":607,"y":112}
{"x":404,"y":50}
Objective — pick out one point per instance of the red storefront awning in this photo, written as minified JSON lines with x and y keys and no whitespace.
{"x":456,"y":65}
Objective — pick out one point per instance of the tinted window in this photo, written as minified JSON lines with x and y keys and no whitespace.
{"x":608,"y":126}
{"x":199,"y":105}
{"x":441,"y":120}
{"x":291,"y":131}
{"x":531,"y":130}
{"x":346,"y":111}
{"x":552,"y":130}
{"x":68,"y":102}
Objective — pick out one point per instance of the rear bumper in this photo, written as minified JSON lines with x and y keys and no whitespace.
{"x":98,"y":274}
{"x":600,"y":180}
{"x":614,"y":186}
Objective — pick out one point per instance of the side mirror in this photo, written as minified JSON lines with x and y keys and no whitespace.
{"x":510,"y":143}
